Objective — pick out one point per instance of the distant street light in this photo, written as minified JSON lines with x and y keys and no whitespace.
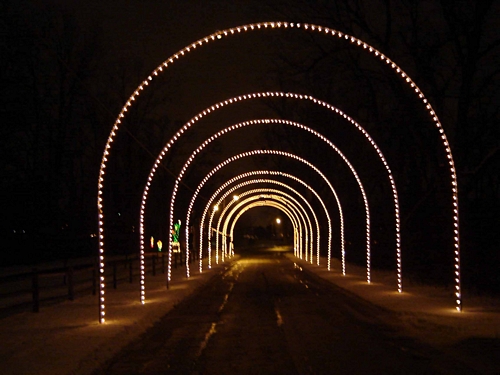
{"x":278,"y":220}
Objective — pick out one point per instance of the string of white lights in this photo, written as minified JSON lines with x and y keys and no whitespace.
{"x":262,"y":26}
{"x":334,"y":110}
{"x":265,"y":181}
{"x":267,"y":152}
{"x":269,"y":121}
{"x":269,"y":204}
{"x":242,"y":202}
{"x":300,"y":222}
{"x":396,"y":203}
{"x":251,"y":174}
{"x":263,"y":193}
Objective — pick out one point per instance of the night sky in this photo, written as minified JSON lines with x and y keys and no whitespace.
{"x":68,"y":67}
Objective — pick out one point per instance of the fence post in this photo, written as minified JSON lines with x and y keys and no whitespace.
{"x":163,"y":263}
{"x":114,"y":275}
{"x":36,"y":291}
{"x":71,"y":291}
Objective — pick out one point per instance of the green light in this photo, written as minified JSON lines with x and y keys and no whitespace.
{"x":176,"y":232}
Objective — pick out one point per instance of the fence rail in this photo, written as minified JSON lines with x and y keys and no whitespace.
{"x":22,"y":290}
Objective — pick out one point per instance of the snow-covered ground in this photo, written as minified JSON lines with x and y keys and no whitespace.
{"x":67,"y":339}
{"x":428,"y":313}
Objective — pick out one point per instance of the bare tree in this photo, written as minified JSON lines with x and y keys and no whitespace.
{"x":451,"y":49}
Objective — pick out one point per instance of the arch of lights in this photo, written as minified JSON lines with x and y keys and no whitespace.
{"x":284,"y":122}
{"x":269,"y":204}
{"x":300,"y":251}
{"x":268,"y":201}
{"x":294,"y":212}
{"x":265,"y":181}
{"x":262,"y":152}
{"x":263,"y":190}
{"x":242,"y":125}
{"x":242,"y":195}
{"x":249,"y":174}
{"x":260,"y":204}
{"x":267,"y":193}
{"x":277,"y":25}
{"x":315,"y":101}
{"x":288,"y":123}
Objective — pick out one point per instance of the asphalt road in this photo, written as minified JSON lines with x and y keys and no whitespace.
{"x":264,"y":315}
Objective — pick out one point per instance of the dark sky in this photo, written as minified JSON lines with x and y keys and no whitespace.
{"x":156,"y":29}
{"x":151,"y":31}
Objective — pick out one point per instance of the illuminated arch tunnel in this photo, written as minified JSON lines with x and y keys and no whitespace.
{"x":271,"y":181}
{"x":317,"y":232}
{"x":307,"y":228}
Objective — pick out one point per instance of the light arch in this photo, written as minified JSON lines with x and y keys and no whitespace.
{"x":266,"y":181}
{"x":265,"y":203}
{"x":276,"y":25}
{"x":301,"y":222}
{"x":251,"y":174}
{"x":309,"y":233}
{"x":267,"y":191}
{"x":316,"y":101}
{"x":258,"y":204}
{"x":267,"y":198}
{"x":266,"y":152}
{"x":288,"y":123}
